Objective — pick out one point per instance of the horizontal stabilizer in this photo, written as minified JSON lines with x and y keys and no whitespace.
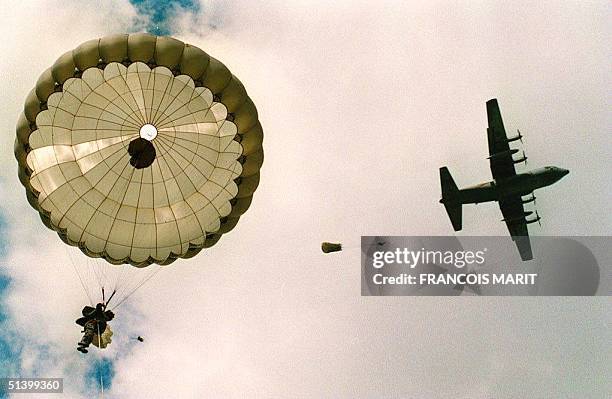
{"x":454,"y":213}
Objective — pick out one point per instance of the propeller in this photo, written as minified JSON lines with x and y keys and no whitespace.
{"x":520,"y":136}
{"x":524,"y":156}
{"x":538,"y":218}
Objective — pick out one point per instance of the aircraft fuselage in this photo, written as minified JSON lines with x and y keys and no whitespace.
{"x":520,"y":184}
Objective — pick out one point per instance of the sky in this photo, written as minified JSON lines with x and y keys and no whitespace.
{"x":361,"y":103}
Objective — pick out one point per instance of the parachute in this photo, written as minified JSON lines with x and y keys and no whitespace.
{"x":139,"y":149}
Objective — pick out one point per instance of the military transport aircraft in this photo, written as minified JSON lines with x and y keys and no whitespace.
{"x":508,"y":188}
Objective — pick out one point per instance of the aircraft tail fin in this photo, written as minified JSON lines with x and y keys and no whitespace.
{"x":449,"y":192}
{"x":449,"y":187}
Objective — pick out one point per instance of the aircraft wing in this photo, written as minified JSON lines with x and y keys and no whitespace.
{"x":512,"y":208}
{"x":502,"y":166}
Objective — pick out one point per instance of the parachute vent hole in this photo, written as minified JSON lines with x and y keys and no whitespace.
{"x":148,"y":131}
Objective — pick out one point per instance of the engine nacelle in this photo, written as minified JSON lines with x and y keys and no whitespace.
{"x":518,"y":137}
{"x":520,"y":160}
{"x":528,"y":200}
{"x":517,"y":218}
{"x":503,"y":154}
{"x":536,"y":219}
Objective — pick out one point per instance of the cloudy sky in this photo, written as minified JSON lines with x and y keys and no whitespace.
{"x":361,"y":103}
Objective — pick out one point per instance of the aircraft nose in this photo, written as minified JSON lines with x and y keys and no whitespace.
{"x":561,"y":173}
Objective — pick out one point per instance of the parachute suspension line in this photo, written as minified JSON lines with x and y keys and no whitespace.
{"x":79,"y":276}
{"x":91,"y":267}
{"x":104,"y":269}
{"x":122,"y":280}
{"x":134,"y":284}
{"x":100,"y":272}
{"x":94,"y":270}
{"x":137,"y":287}
{"x":93,"y":276}
{"x":127,"y":279}
{"x":89,"y":273}
{"x":119,"y":281}
{"x":128,"y":283}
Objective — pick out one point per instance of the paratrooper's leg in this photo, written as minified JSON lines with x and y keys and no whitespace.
{"x":90,"y":330}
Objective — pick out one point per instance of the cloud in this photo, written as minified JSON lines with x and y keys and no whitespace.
{"x":360,"y":104}
{"x":160,"y":13}
{"x":10,"y":347}
{"x":102,"y":371}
